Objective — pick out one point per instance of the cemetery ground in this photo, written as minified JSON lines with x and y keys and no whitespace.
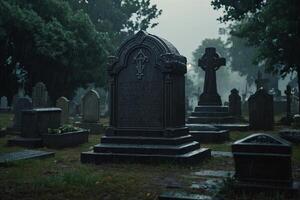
{"x":64,"y":177}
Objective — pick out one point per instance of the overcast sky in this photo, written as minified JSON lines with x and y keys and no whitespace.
{"x":185,"y":23}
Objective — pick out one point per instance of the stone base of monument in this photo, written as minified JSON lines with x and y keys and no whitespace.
{"x":208,"y":133}
{"x":217,"y":116}
{"x":94,"y":128}
{"x":178,"y":148}
{"x":25,"y":142}
{"x":63,"y":140}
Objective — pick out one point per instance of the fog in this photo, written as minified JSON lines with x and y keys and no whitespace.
{"x":185,"y":23}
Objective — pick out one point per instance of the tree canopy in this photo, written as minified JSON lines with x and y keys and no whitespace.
{"x":64,"y":43}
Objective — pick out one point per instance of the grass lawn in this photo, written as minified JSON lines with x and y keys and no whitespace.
{"x":64,"y":177}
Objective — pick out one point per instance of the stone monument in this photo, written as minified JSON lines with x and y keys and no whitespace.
{"x":147,"y":106}
{"x":210,"y":63}
{"x":261,"y":115}
{"x":210,"y":110}
{"x":263,"y":161}
{"x":34,"y":123}
{"x":235,"y":104}
{"x":63,"y":104}
{"x":39,"y":95}
{"x":21,"y":103}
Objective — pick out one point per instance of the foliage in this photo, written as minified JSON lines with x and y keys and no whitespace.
{"x":271,"y":26}
{"x":63,"y":129}
{"x":242,"y":58}
{"x":53,"y":43}
{"x":64,"y":43}
{"x":119,"y":18}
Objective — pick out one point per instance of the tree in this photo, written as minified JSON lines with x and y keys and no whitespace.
{"x":65,"y":43}
{"x":272,"y":27}
{"x":242,"y":58}
{"x":119,"y":18}
{"x":51,"y":42}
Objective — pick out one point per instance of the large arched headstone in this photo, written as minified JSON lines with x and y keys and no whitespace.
{"x":147,"y":105}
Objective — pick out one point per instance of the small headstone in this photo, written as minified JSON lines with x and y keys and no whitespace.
{"x":63,"y":104}
{"x":262,"y":159}
{"x":235,"y":103}
{"x":91,"y":106}
{"x":22,"y":103}
{"x":40,"y":95}
{"x":3,"y":102}
{"x":261,"y":115}
{"x":296,"y":121}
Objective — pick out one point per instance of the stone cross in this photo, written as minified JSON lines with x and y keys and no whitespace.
{"x":261,"y":82}
{"x":288,"y":93}
{"x":210,"y":63}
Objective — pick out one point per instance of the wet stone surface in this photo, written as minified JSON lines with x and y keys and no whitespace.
{"x":22,"y":155}
{"x":213,"y":173}
{"x":221,"y":154}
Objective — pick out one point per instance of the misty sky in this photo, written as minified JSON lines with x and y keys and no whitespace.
{"x":185,"y":23}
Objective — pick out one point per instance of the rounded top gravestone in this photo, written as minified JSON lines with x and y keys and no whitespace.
{"x":91,"y":106}
{"x":143,"y":76}
{"x":39,"y":95}
{"x":63,"y":104}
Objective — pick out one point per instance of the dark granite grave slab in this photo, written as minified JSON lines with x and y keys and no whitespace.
{"x":269,"y":158}
{"x":23,"y":155}
{"x":177,"y":195}
{"x":208,"y":134}
{"x":291,"y":135}
{"x":186,"y":158}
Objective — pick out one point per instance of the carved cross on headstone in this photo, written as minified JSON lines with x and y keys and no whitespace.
{"x":210,"y":63}
{"x":140,"y":59}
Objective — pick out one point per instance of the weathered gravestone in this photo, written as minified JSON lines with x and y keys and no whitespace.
{"x":21,"y":103}
{"x":36,"y":122}
{"x":263,"y":161}
{"x":40,"y":95}
{"x":261,"y":111}
{"x":235,"y":104}
{"x":90,"y":107}
{"x":63,"y":104}
{"x":147,"y":106}
{"x":3,"y":103}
